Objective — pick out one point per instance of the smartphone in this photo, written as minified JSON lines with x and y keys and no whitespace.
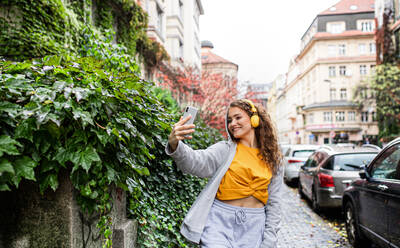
{"x":190,"y":111}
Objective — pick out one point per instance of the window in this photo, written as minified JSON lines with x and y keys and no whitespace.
{"x":373,"y":114}
{"x":159,"y":20}
{"x":335,"y":28}
{"x":351,"y":116}
{"x":387,"y":166}
{"x":366,"y":26}
{"x":364,"y":93}
{"x":352,"y":161}
{"x":364,"y":116}
{"x":181,"y":10}
{"x":342,"y":49}
{"x":362,"y":48}
{"x":340,"y":116}
{"x":372,"y":68}
{"x":343,"y":94}
{"x":311,"y":118}
{"x":332,"y":71}
{"x":327,"y":116}
{"x":363,"y":70}
{"x":331,"y":50}
{"x":372,"y":48}
{"x":180,"y":55}
{"x":342,"y":70}
{"x":332,"y":94}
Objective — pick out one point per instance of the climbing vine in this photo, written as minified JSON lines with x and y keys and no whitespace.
{"x":34,"y":29}
{"x":71,"y":98}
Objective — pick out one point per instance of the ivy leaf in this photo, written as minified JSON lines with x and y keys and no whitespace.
{"x":83,"y":115}
{"x":8,"y":145}
{"x":6,"y":166}
{"x":50,"y":180}
{"x":62,"y":155}
{"x":24,"y":168}
{"x":25,"y":129}
{"x":110,"y":174}
{"x":84,"y":158}
{"x":4,"y":187}
{"x":10,"y":108}
{"x":48,"y":166}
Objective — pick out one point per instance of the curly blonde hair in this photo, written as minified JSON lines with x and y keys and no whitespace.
{"x":265,"y":134}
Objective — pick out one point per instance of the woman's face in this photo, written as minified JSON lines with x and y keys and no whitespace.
{"x":239,"y":123}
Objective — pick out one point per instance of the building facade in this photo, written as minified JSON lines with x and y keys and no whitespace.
{"x":175,"y":25}
{"x":215,"y":64}
{"x":324,"y":100}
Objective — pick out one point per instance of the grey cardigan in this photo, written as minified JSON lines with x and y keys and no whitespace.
{"x":213,"y":163}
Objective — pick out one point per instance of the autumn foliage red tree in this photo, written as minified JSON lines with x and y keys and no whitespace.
{"x":210,"y":92}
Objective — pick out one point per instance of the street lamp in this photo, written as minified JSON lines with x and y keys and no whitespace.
{"x":332,"y":110}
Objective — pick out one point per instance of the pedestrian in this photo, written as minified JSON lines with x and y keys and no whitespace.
{"x":240,"y":205}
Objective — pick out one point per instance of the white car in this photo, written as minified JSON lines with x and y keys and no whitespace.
{"x":294,"y":158}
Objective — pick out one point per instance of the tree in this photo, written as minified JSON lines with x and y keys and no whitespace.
{"x":386,"y":84}
{"x":210,"y":92}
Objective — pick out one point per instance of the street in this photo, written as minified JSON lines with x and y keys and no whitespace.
{"x":302,"y":228}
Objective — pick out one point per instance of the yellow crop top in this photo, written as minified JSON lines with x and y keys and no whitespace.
{"x":247,"y":176}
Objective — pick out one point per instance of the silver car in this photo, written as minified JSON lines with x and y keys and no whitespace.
{"x":294,"y":158}
{"x":330,"y":170}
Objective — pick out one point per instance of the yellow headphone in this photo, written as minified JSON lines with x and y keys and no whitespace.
{"x":254,"y":119}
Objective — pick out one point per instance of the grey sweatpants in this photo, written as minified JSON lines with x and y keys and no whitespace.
{"x":233,"y":227}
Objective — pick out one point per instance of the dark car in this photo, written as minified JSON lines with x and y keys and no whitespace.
{"x":372,"y":204}
{"x":329,"y":170}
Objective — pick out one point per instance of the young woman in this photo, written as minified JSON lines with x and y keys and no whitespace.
{"x":240,"y":205}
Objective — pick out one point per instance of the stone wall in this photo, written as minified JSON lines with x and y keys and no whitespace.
{"x":29,"y":219}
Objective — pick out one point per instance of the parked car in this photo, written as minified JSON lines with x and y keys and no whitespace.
{"x":372,"y":203}
{"x":329,"y":170}
{"x":295,"y":157}
{"x":284,"y":148}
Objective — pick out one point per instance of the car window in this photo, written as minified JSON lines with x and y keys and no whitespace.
{"x":351,"y":161}
{"x":329,"y":164}
{"x":310,"y":162}
{"x":287,"y":152}
{"x":387,"y":166}
{"x":302,"y":153}
{"x":284,"y":150}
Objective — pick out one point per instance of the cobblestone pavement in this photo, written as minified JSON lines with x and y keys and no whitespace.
{"x":302,"y":228}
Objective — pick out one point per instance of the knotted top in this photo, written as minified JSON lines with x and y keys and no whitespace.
{"x":247,"y":176}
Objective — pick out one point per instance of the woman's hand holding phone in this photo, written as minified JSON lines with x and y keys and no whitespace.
{"x":180,"y":131}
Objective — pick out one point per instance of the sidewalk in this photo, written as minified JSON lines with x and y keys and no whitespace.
{"x":302,"y":228}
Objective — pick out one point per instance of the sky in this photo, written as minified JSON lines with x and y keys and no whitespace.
{"x":261,"y":36}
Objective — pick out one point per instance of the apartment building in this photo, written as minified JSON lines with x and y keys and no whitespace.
{"x":175,"y":25}
{"x":336,"y":58}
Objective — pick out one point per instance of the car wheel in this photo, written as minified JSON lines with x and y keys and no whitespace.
{"x":300,"y":190}
{"x":314,"y":202}
{"x":355,"y":237}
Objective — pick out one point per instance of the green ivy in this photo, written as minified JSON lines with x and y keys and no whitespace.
{"x":34,"y":29}
{"x":90,"y":115}
{"x":168,"y":194}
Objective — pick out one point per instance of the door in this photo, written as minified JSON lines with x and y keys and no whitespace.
{"x":393,"y":209}
{"x":307,"y":175}
{"x":373,"y":213}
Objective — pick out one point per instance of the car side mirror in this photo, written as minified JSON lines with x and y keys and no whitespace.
{"x":363,"y":173}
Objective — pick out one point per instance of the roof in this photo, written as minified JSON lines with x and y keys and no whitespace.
{"x":207,"y":43}
{"x":330,"y":104}
{"x":336,"y":149}
{"x":350,"y":7}
{"x":211,"y":58}
{"x":343,"y":34}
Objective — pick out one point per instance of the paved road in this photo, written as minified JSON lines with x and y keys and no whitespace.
{"x":302,"y":228}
